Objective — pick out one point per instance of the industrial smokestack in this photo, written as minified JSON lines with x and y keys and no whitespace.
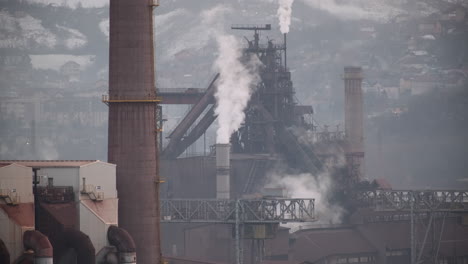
{"x":354,"y":128}
{"x":285,"y":53}
{"x":223,"y":168}
{"x":132,"y":139}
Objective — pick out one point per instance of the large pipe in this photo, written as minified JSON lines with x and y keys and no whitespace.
{"x":223,"y":168}
{"x":124,"y":243}
{"x":26,"y":258}
{"x":40,"y":244}
{"x":354,"y":128}
{"x":81,"y":243}
{"x":4,"y":254}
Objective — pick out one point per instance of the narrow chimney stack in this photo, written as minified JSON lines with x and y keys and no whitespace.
{"x":354,"y":116}
{"x":223,"y":168}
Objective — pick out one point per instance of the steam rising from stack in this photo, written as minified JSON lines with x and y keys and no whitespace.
{"x":284,"y":15}
{"x":237,"y":77}
{"x":234,"y":87}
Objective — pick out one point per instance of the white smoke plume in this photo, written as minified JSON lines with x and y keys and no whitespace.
{"x":234,"y":86}
{"x":376,"y":10}
{"x":284,"y":15}
{"x":307,"y":186}
{"x":345,"y":11}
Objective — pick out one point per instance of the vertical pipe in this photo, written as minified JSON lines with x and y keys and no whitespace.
{"x":237,"y":231}
{"x":132,"y":142}
{"x":285,"y":54}
{"x":36,"y":201}
{"x":354,"y":119}
{"x":223,"y":167}
{"x":413,"y":250}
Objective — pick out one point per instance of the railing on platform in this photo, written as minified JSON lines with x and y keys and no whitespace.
{"x":249,"y":211}
{"x":416,"y":200}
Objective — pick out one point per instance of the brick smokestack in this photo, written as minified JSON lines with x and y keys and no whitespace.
{"x":132,"y":123}
{"x":354,"y":128}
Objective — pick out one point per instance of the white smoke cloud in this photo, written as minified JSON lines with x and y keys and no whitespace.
{"x":234,"y":86}
{"x":200,"y":30}
{"x":307,"y":186}
{"x":47,"y":150}
{"x":344,"y":11}
{"x":377,"y":10}
{"x":284,"y":15}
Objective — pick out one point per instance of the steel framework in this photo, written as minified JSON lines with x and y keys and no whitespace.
{"x":250,"y":211}
{"x":238,"y":212}
{"x":416,"y":200}
{"x":426,"y":204}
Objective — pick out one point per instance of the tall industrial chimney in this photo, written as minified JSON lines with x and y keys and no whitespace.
{"x":223,"y":168}
{"x":132,"y":139}
{"x":354,"y":128}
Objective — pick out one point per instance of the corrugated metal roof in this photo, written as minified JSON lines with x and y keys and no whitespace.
{"x":48,"y":163}
{"x":22,"y":214}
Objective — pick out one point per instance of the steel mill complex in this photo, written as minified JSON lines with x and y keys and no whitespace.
{"x":151,"y":204}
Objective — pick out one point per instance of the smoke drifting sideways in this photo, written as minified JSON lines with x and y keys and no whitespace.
{"x":305,"y":186}
{"x":238,"y":77}
{"x":284,"y":15}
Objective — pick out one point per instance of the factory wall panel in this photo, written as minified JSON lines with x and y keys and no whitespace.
{"x":93,"y":226}
{"x":193,"y":177}
{"x":12,"y":235}
{"x":17,"y":180}
{"x":102,"y":176}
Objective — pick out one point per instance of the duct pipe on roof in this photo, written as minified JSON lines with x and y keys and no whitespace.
{"x":124,"y":243}
{"x":80,"y":242}
{"x":40,"y":244}
{"x":223,"y":167}
{"x":4,"y":254}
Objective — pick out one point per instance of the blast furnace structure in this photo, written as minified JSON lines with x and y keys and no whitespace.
{"x":379,"y":225}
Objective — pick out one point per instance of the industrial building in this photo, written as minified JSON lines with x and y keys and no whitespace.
{"x":378,"y":225}
{"x":217,"y":208}
{"x":72,"y":204}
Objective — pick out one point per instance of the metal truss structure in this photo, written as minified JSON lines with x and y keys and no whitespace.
{"x":243,"y":211}
{"x":415,"y":205}
{"x":238,"y":213}
{"x":417,"y":200}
